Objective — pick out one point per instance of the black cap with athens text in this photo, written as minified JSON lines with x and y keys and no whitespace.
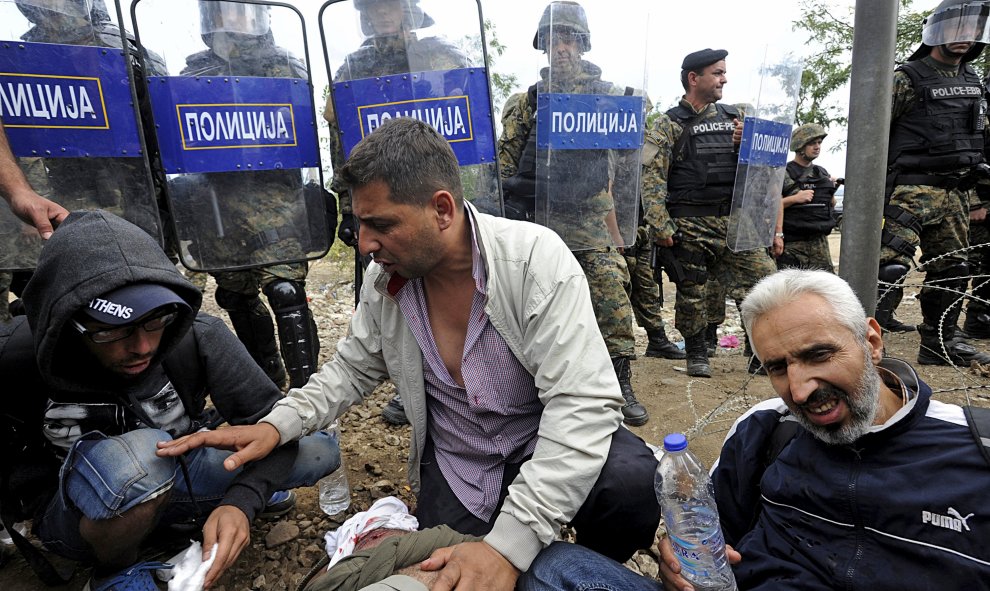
{"x":126,"y":304}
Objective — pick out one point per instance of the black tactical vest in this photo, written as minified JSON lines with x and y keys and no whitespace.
{"x":809,"y":220}
{"x":704,"y":169}
{"x":943,"y":129}
{"x":576,"y":174}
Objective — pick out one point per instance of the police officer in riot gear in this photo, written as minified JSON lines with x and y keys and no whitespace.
{"x":807,"y":204}
{"x":240,"y":43}
{"x":692,"y":174}
{"x":938,"y":123}
{"x":579,"y":180}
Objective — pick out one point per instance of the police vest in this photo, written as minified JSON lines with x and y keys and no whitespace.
{"x":703,"y":171}
{"x":943,"y":130}
{"x":809,"y":220}
{"x":573,"y":174}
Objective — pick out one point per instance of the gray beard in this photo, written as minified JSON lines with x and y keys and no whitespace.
{"x":863,"y":404}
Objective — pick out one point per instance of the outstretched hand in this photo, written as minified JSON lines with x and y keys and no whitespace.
{"x":248,"y":442}
{"x":474,"y":566}
{"x":37,"y":211}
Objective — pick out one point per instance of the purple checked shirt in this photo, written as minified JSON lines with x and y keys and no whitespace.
{"x":494,"y":418}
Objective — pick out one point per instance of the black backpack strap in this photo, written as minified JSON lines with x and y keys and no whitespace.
{"x":46,"y":571}
{"x":978,"y":419}
{"x":783,"y":432}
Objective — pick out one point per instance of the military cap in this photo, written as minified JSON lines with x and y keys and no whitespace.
{"x":703,"y":58}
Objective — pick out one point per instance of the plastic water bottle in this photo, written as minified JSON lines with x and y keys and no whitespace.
{"x":335,"y":491}
{"x":687,"y":499}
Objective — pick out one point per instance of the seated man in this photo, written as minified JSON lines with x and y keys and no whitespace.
{"x":874,"y":486}
{"x":486,"y":327}
{"x":112,"y":358}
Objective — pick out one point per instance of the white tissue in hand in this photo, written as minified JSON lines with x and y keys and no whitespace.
{"x":189,"y":572}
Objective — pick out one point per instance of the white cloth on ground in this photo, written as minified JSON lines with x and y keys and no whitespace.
{"x":387,"y":512}
{"x":189,"y":572}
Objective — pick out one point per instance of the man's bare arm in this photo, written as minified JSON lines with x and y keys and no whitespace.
{"x":26,"y":204}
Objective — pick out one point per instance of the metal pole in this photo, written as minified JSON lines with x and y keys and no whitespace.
{"x":871,"y":85}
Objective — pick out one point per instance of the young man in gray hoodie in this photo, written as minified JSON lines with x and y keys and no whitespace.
{"x":112,"y":358}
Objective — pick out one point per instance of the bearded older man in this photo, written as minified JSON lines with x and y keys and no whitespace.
{"x":854,"y":478}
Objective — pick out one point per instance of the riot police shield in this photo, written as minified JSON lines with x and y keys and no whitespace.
{"x":763,"y":152}
{"x":68,"y":103}
{"x":413,"y":58}
{"x":590,"y":114}
{"x":236,"y":130}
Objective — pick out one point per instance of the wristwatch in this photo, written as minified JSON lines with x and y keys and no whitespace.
{"x":778,"y":235}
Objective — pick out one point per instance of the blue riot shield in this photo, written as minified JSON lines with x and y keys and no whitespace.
{"x":236,"y":128}
{"x":399,"y":59}
{"x":69,"y":104}
{"x":589,"y":129}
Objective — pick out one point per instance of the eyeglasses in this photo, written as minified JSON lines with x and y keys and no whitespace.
{"x":110,"y":335}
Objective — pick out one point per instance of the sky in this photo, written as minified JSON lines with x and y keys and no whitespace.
{"x":635,"y":42}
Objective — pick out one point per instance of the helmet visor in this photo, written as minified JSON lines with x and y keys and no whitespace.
{"x":233,"y":17}
{"x":78,"y":8}
{"x":968,"y":22}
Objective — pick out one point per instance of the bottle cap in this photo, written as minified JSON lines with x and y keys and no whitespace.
{"x":675,"y":442}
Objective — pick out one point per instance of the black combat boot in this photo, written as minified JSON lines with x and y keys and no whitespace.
{"x":697,"y":356}
{"x":886,"y":304}
{"x":297,"y":333}
{"x":947,"y":350}
{"x":660,"y":346}
{"x":976,"y":326}
{"x":711,"y":338}
{"x":254,"y":327}
{"x":633,"y":413}
{"x":940,"y":309}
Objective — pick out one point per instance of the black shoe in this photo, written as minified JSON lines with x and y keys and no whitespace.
{"x":394,"y":413}
{"x":280,"y":503}
{"x":959,"y":353}
{"x":697,"y":356}
{"x":660,"y":346}
{"x":633,"y":413}
{"x":976,"y":326}
{"x":895,"y":325}
{"x":755,"y":367}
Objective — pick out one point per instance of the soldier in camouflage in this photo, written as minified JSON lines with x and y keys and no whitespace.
{"x":691,"y":177}
{"x":938,"y":123}
{"x":391,"y":47}
{"x":82,"y":183}
{"x":270,"y":225}
{"x":808,"y":198}
{"x":604,"y":265}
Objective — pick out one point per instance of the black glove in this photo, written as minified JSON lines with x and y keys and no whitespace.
{"x":347,"y":230}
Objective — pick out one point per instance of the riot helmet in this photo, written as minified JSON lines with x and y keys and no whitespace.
{"x":234,"y":17}
{"x":956,"y":21}
{"x":805,"y":134}
{"x":410,"y":15}
{"x":563,"y":18}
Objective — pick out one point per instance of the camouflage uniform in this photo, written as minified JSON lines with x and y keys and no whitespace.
{"x":700,"y":238}
{"x":977,"y":322}
{"x":120,"y":185}
{"x":5,"y":278}
{"x":608,"y":275}
{"x":810,"y":252}
{"x":645,"y":292}
{"x":262,"y":217}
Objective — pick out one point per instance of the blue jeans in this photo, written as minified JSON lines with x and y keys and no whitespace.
{"x":569,"y":567}
{"x":103,"y":477}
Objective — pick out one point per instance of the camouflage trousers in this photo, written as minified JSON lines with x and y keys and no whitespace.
{"x":704,"y":253}
{"x":645,"y":291}
{"x":979,"y":268}
{"x":5,"y":277}
{"x":807,"y":254}
{"x":944,"y":219}
{"x":251,"y":281}
{"x":609,"y":284}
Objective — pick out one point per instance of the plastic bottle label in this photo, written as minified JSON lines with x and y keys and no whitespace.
{"x":696,"y":557}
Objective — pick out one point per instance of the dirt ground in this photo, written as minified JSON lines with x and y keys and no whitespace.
{"x":375,"y":452}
